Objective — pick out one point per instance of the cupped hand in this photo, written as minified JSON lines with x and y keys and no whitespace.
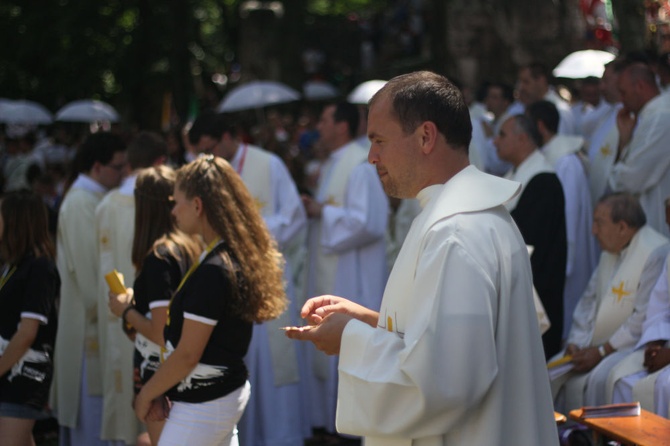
{"x":327,"y":336}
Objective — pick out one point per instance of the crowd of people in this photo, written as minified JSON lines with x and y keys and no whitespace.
{"x":423,"y":225}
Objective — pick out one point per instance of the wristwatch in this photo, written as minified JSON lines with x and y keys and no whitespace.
{"x":602,"y":351}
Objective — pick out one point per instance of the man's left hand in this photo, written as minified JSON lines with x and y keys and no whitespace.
{"x":656,"y":357}
{"x":327,"y":336}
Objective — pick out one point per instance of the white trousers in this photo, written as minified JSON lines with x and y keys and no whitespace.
{"x":212,"y":423}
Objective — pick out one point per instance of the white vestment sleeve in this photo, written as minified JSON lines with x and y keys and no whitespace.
{"x":646,"y":161}
{"x":363,"y":217}
{"x":583,"y":319}
{"x":80,"y":243}
{"x":571,"y":173}
{"x":657,"y":324}
{"x":424,"y":382}
{"x":627,"y":335}
{"x":288,"y":215}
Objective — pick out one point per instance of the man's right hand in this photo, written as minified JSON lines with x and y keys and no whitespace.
{"x":317,"y":308}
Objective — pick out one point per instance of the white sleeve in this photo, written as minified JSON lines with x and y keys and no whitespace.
{"x":630,"y":331}
{"x":288,"y":217}
{"x":583,"y":318}
{"x":657,"y":324}
{"x":390,"y":385}
{"x":647,"y":160}
{"x":363,"y":217}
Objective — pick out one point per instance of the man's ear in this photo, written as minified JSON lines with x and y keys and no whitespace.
{"x":427,"y":133}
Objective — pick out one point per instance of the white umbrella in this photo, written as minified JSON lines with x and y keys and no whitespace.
{"x":316,"y":90}
{"x":87,"y":110}
{"x":257,"y":94}
{"x":363,"y":92}
{"x":24,"y":112}
{"x":582,"y":64}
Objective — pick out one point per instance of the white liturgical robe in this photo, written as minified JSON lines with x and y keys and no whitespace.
{"x":644,"y":168}
{"x":561,"y":152}
{"x":636,"y":381}
{"x":77,"y":336}
{"x":347,"y":255}
{"x":115,"y":226}
{"x":457,"y":347}
{"x":612,"y":309}
{"x":603,"y":145}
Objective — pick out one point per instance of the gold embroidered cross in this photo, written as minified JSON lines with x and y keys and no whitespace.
{"x":620,"y":292}
{"x":605,"y":150}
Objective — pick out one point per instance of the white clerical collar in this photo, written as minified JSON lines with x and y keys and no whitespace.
{"x":560,"y":146}
{"x":470,"y":190}
{"x":128,"y":185}
{"x":87,"y":183}
{"x":534,"y":163}
{"x":426,"y":194}
{"x":656,"y":103}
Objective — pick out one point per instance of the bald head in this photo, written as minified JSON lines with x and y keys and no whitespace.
{"x":637,"y":86}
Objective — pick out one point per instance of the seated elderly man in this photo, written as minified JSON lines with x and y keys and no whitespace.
{"x":608,"y":319}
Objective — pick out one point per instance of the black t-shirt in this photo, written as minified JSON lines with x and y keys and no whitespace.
{"x":158,"y":279}
{"x":206,"y":296}
{"x":31,"y":291}
{"x":153,"y":287}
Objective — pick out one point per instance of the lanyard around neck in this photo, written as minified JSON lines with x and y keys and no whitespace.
{"x":6,"y":274}
{"x":193,"y":267}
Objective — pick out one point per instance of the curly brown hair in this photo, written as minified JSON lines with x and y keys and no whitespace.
{"x":232,"y":212}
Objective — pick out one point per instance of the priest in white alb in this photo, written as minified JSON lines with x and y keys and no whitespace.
{"x":76,"y":392}
{"x":455,"y":348}
{"x":564,"y":153}
{"x":115,"y":226}
{"x":607,"y":321}
{"x":642,"y":165}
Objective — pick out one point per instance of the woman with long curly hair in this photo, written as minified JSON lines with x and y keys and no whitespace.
{"x":236,"y":282}
{"x":29,"y":287}
{"x":161,"y":254}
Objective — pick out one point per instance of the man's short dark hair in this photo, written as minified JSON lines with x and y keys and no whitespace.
{"x":211,"y":124}
{"x":546,"y":113}
{"x":625,"y":207}
{"x":425,"y":96}
{"x":98,"y":147}
{"x":537,"y":70}
{"x":346,"y":112}
{"x":506,"y":89}
{"x":145,"y":149}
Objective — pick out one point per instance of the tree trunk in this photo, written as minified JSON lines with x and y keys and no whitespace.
{"x":632,"y":27}
{"x":180,"y":60}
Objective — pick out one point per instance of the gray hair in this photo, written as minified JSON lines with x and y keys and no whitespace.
{"x":625,"y":207}
{"x":523,"y":124}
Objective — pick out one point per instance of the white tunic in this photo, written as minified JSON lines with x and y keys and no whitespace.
{"x":276,"y":373}
{"x":457,"y":348}
{"x":644,"y":169}
{"x":603,"y":144}
{"x":115,"y":226}
{"x":347,"y":255}
{"x":656,"y":327}
{"x":561,"y":152}
{"x":77,"y":336}
{"x":612,"y":309}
